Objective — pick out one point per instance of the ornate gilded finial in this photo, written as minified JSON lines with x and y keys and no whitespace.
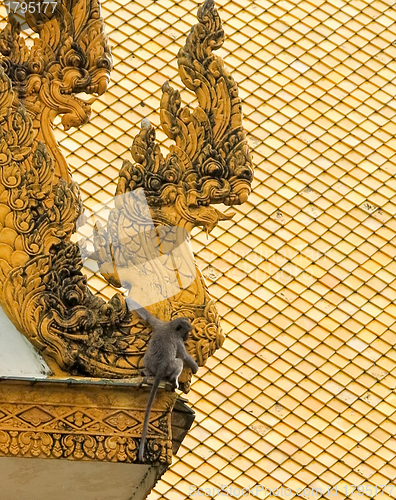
{"x":210,"y":160}
{"x":42,"y":285}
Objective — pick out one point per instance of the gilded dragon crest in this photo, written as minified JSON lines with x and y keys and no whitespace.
{"x":42,"y":286}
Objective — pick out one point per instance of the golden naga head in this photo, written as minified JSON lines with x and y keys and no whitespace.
{"x":210,"y":161}
{"x":70,"y":55}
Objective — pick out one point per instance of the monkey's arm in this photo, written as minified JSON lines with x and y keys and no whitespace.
{"x":187,"y":359}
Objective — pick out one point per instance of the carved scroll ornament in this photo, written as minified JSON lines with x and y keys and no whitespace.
{"x":103,"y":423}
{"x":42,"y":287}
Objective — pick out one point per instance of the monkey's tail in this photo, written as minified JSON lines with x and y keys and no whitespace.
{"x":150,"y":401}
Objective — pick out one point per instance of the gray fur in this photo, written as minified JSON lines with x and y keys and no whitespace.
{"x":165,"y":356}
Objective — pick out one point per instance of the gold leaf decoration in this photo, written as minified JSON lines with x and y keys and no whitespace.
{"x":42,"y":286}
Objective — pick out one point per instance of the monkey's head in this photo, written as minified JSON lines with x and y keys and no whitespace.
{"x":182,"y":327}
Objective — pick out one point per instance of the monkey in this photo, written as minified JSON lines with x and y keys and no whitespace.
{"x":165,"y":355}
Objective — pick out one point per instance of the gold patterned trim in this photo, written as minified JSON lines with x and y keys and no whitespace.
{"x":83,"y":421}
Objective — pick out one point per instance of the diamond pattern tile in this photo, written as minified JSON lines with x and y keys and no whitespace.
{"x":302,"y":392}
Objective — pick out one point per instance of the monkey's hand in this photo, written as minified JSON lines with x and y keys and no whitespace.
{"x":190,"y":362}
{"x":187,"y":359}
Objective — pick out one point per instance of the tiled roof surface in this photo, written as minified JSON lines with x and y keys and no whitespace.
{"x":303,"y":391}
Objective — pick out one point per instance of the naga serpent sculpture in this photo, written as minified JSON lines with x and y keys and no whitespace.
{"x":42,"y":287}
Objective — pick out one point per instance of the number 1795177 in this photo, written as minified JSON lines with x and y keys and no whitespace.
{"x":31,"y":7}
